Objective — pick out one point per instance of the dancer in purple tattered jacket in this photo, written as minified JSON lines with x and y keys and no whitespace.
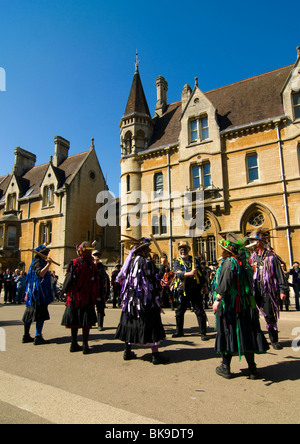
{"x":269,"y":283}
{"x":140,"y":322}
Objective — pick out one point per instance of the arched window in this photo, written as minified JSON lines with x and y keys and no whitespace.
{"x":158,"y":184}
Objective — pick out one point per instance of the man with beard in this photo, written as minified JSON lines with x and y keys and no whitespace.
{"x":189,"y":290}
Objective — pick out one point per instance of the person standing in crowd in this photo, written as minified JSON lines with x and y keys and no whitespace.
{"x":116,"y":286}
{"x":165,"y":283}
{"x":189,"y":282}
{"x":38,"y":295}
{"x":295,"y":272}
{"x":140,"y":322}
{"x":20,"y":283}
{"x":103,"y":289}
{"x":269,"y":282}
{"x":54,"y":280}
{"x":8,"y":286}
{"x":82,"y":288}
{"x":1,"y":281}
{"x":286,"y":302}
{"x":237,"y":318}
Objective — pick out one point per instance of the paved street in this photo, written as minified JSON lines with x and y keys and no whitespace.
{"x":48,"y":384}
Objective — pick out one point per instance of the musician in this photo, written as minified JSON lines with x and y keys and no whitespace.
{"x":189,"y":290}
{"x":38,"y":295}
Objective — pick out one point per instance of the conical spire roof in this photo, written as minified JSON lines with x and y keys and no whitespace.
{"x":137,"y":102}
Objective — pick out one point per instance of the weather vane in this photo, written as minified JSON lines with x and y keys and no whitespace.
{"x":137,"y":61}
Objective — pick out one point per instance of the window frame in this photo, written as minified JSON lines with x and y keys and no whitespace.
{"x":200,"y":129}
{"x":296,"y":107}
{"x":200,"y":176}
{"x":158,"y":188}
{"x":252,"y":168}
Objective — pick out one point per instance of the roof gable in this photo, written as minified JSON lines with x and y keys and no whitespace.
{"x":239,"y":104}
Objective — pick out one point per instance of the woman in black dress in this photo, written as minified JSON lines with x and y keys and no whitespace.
{"x":140,"y":322}
{"x":237,"y":317}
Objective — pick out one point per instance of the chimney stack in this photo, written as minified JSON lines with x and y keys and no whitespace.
{"x":24,"y":161}
{"x":162,"y":88}
{"x":61,"y":151}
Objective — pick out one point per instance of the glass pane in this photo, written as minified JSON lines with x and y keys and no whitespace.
{"x":205,"y":133}
{"x":204,"y":122}
{"x":207,"y":181}
{"x":194,"y":125}
{"x":194,"y":130}
{"x":296,"y":99}
{"x":196,"y":177}
{"x":253,"y":174}
{"x":252,"y":161}
{"x":297,"y":112}
{"x":12,"y":236}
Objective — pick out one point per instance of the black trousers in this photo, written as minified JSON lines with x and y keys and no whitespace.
{"x":194,"y":298}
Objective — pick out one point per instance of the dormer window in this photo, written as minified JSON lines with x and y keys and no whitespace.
{"x":12,"y":202}
{"x":48,"y":196}
{"x":199,"y":129}
{"x":296,"y":105}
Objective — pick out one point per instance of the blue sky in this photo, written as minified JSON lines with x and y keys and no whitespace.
{"x":69,"y":64}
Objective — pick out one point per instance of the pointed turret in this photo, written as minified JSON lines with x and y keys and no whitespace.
{"x":136,"y":124}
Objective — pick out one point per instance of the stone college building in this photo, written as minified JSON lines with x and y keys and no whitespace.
{"x":237,"y":146}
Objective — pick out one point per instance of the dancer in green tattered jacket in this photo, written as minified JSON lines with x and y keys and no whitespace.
{"x":237,"y":317}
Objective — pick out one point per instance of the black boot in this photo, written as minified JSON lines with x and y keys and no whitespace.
{"x":202,"y":325}
{"x":26,"y":337}
{"x":179,"y":327}
{"x":128,"y":354}
{"x":224,"y":369}
{"x":158,"y":358}
{"x":253,"y":372}
{"x":100,"y":322}
{"x":75,"y":347}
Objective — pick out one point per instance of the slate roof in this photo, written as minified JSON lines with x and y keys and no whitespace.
{"x":137,"y":102}
{"x":239,"y":104}
{"x":32,"y":180}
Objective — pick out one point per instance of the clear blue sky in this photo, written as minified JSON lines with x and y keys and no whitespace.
{"x":69,"y":64}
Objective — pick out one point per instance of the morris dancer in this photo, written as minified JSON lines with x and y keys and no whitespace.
{"x":237,"y":318}
{"x":82,"y":287}
{"x":269,"y":283}
{"x":140,"y":322}
{"x":38,"y":295}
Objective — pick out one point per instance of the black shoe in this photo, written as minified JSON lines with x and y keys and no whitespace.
{"x":75,"y":347}
{"x":254,"y":374}
{"x":85,"y":348}
{"x":128,"y":355}
{"x":178,"y":334}
{"x":158,"y":358}
{"x":27,"y":339}
{"x":224,"y":372}
{"x":39,"y":340}
{"x":277,"y":346}
{"x":204,"y":337}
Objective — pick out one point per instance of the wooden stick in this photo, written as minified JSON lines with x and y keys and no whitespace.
{"x":156,"y":244}
{"x":44,"y":257}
